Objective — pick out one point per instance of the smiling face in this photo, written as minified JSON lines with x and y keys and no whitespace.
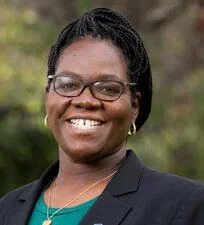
{"x":87,"y":128}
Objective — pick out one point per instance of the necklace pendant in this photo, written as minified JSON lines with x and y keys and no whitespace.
{"x":47,"y":222}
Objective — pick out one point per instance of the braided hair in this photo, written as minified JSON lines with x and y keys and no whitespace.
{"x":105,"y":23}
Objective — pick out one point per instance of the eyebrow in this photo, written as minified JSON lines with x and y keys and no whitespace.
{"x":70,"y":74}
{"x":108,"y":77}
{"x":99,"y":77}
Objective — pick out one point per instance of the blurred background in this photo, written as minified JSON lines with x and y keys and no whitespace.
{"x":173,"y":33}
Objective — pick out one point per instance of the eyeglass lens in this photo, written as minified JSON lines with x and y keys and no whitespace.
{"x":104,"y":90}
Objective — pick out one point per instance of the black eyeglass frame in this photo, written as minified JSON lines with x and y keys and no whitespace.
{"x":90,"y":85}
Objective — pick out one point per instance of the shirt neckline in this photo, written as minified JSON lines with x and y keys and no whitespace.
{"x":42,"y":207}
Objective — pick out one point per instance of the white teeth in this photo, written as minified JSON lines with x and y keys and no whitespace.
{"x":84,"y":123}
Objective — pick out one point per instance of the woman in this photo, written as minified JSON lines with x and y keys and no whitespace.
{"x":99,"y":92}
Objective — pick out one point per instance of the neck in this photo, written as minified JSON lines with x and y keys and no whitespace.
{"x":80,"y":173}
{"x":85,"y":180}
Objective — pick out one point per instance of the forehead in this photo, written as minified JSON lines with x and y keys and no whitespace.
{"x":91,"y":58}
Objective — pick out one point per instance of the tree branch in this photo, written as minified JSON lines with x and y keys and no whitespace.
{"x":161,"y":16}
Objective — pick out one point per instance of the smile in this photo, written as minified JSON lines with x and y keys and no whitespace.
{"x":85,"y":123}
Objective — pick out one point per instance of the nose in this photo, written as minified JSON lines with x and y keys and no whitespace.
{"x":86,"y":100}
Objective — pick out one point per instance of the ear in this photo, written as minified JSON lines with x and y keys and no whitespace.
{"x":136,"y":106}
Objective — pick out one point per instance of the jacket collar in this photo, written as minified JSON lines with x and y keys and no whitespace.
{"x":127,"y":178}
{"x":107,"y":210}
{"x":28,"y":197}
{"x":41,"y":184}
{"x":130,"y":172}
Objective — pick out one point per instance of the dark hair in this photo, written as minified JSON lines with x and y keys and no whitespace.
{"x":107,"y":24}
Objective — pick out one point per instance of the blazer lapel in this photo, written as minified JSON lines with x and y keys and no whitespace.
{"x":19,"y":215}
{"x":106,"y":211}
{"x":110,"y":208}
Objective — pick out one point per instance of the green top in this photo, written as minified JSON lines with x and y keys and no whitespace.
{"x":71,"y":216}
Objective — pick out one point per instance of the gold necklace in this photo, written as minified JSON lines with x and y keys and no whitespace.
{"x":48,"y":221}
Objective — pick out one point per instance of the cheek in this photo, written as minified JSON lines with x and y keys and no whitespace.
{"x":56,"y":106}
{"x":122,"y":114}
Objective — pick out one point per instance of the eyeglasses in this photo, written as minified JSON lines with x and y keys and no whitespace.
{"x":106,"y":90}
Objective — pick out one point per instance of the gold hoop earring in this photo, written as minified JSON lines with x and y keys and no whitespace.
{"x":132,"y":130}
{"x":45,"y":121}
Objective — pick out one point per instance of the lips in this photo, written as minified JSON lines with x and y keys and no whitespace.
{"x":85,"y":123}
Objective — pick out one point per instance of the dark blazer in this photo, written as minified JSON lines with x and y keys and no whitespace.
{"x":136,"y":195}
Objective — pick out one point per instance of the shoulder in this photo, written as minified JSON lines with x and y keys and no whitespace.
{"x":29,"y":191}
{"x":156,"y":180}
{"x":169,"y":182}
{"x":179,"y":198}
{"x":17,"y":192}
{"x":8,"y":200}
{"x":165,"y":197}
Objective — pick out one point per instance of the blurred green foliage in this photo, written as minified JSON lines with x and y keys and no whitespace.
{"x":24,"y":142}
{"x":170,"y":141}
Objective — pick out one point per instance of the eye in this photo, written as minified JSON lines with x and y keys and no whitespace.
{"x":67,"y":84}
{"x":110,"y":88}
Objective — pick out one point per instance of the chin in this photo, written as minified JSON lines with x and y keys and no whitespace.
{"x":85,"y":154}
